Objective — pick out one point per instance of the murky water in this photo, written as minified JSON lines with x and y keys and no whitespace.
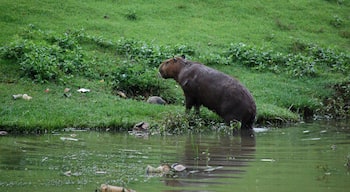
{"x":306,"y":157}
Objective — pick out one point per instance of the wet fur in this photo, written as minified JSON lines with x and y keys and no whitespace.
{"x":213,"y":89}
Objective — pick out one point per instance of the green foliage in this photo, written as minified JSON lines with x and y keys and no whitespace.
{"x":310,"y":61}
{"x":131,"y":15}
{"x":149,"y":54}
{"x":334,"y":60}
{"x":191,"y":123}
{"x":337,"y":21}
{"x":55,"y":58}
{"x":214,"y":59}
{"x":136,"y":80}
{"x":338,"y":105}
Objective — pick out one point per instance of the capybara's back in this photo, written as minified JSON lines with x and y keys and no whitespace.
{"x":215,"y":90}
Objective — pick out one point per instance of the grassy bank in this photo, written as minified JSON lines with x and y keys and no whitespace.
{"x":98,"y":42}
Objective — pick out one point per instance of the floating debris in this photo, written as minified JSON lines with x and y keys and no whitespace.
{"x":162,"y":169}
{"x":111,"y":188}
{"x":312,"y":139}
{"x":333,"y":147}
{"x":2,"y":133}
{"x":69,"y":173}
{"x":101,"y":172}
{"x":68,"y":139}
{"x":178,"y":167}
{"x":306,"y":131}
{"x":260,"y":129}
{"x":83,"y":90}
{"x":267,"y":160}
{"x":193,"y":171}
{"x":66,"y":90}
{"x":210,"y":169}
{"x":347,"y":164}
{"x":44,"y":159}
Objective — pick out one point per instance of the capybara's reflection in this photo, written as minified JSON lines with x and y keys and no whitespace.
{"x":211,"y":157}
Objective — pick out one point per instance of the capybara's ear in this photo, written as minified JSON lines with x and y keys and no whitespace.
{"x":183,"y":56}
{"x":174,"y":59}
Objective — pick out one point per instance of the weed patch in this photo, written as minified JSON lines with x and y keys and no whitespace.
{"x":311,"y":61}
{"x":191,"y":123}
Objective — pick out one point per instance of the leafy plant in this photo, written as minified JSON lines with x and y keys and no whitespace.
{"x":136,"y":80}
{"x":131,"y":15}
{"x":56,"y":58}
{"x":151,"y":55}
{"x":181,"y":123}
{"x":336,"y":21}
{"x":307,"y":61}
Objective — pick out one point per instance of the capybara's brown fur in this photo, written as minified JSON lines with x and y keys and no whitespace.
{"x":213,"y":89}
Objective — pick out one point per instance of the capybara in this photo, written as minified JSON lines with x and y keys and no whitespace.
{"x":213,"y":89}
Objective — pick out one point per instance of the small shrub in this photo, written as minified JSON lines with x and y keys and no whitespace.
{"x":282,"y":26}
{"x":300,"y":66}
{"x":131,"y":15}
{"x":338,"y":105}
{"x":214,"y":59}
{"x":336,"y":21}
{"x":345,"y":34}
{"x":136,"y":80}
{"x":151,"y":55}
{"x":182,"y":123}
{"x":56,"y":58}
{"x":307,"y":60}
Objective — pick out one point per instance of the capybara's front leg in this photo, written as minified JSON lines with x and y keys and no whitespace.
{"x":196,"y":107}
{"x":189,"y":102}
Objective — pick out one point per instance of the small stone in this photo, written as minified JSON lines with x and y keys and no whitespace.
{"x":120,"y":93}
{"x":156,"y":100}
{"x":142,"y":126}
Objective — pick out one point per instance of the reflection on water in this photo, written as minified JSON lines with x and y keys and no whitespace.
{"x":306,"y":157}
{"x":211,"y":157}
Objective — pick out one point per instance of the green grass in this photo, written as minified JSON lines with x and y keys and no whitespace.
{"x":207,"y":26}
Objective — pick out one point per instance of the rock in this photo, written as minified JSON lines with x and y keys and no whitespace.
{"x":111,"y":188}
{"x":156,"y":100}
{"x":120,"y":93}
{"x":142,"y":126}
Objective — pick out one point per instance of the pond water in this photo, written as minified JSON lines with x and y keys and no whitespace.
{"x":305,"y":157}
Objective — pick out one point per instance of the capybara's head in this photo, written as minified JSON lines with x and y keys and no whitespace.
{"x":171,"y":68}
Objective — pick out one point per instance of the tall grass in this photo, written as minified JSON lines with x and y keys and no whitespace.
{"x":198,"y":23}
{"x":207,"y":27}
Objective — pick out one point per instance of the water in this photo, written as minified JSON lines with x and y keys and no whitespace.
{"x":305,"y":157}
